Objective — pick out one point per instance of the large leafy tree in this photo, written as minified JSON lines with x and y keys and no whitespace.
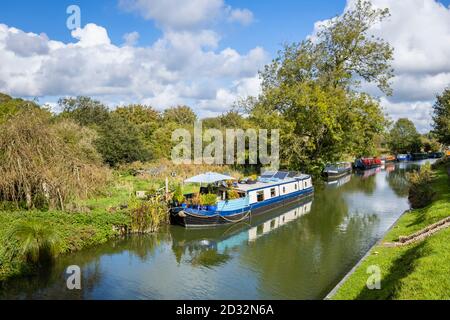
{"x":312,"y":86}
{"x":441,"y":117}
{"x":404,"y":138}
{"x":182,"y":115}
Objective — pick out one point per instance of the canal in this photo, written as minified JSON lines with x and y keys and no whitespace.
{"x":299,"y":252}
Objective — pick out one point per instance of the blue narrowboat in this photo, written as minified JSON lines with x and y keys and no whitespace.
{"x":251,"y":198}
{"x":403,"y":157}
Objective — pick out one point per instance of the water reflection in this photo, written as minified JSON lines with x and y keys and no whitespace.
{"x":299,"y":252}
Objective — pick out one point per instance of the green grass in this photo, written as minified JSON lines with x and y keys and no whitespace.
{"x":416,"y":271}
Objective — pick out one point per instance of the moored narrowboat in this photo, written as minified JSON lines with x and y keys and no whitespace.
{"x":436,"y":155}
{"x":337,"y":170}
{"x":367,"y":163}
{"x":419,"y":156}
{"x":389,"y":158}
{"x":403,"y":157}
{"x":240,"y":201}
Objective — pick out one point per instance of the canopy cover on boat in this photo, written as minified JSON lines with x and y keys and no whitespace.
{"x":209,"y":177}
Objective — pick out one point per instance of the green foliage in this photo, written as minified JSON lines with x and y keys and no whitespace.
{"x":309,"y":92}
{"x":9,"y":106}
{"x":420,"y":191}
{"x":178,"y":194}
{"x":404,"y":138}
{"x":441,"y":117}
{"x":45,"y":164}
{"x":84,"y":110}
{"x":37,"y":242}
{"x":209,"y":199}
{"x":232,"y":194}
{"x":430,"y":143}
{"x":148,"y":216}
{"x":121,"y":142}
{"x":182,"y":115}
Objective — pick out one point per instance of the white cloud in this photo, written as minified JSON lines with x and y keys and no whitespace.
{"x":182,"y":14}
{"x":180,"y":67}
{"x":131,"y":38}
{"x":419,"y":31}
{"x":243,"y":16}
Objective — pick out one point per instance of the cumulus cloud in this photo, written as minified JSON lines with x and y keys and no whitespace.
{"x":182,"y":15}
{"x":180,"y":67}
{"x":131,"y":38}
{"x":243,"y":16}
{"x":419,"y":31}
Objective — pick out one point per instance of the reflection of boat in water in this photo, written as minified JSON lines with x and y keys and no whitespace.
{"x":222,"y":239}
{"x":368,"y":173}
{"x":339,"y":182}
{"x":337,"y":170}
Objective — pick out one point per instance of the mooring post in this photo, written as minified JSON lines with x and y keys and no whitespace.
{"x":167,"y":188}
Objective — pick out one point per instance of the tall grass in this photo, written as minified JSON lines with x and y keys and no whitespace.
{"x":147,"y":216}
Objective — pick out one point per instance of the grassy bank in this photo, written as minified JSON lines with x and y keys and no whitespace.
{"x":416,"y":271}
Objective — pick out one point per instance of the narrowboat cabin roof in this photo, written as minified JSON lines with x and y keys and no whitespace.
{"x":272,"y":179}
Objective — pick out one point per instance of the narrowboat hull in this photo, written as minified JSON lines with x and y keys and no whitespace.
{"x":337,"y":174}
{"x":191,"y":219}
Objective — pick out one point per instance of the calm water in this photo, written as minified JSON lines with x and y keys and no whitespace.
{"x":296,"y":253}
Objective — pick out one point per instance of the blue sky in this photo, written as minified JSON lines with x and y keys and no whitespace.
{"x":275,"y":23}
{"x":204,"y":53}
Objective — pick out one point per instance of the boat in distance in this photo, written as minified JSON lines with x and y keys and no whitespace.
{"x":337,"y":170}
{"x":367,"y":163}
{"x":240,"y":201}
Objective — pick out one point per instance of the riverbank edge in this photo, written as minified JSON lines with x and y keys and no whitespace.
{"x":336,"y":288}
{"x":445,"y":167}
{"x":79,"y":236}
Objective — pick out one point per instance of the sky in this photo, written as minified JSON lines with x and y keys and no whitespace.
{"x":203,"y":53}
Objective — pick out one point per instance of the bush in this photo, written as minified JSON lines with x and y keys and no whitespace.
{"x":45,"y":164}
{"x":232,"y":194}
{"x":420,"y":191}
{"x":148,"y":216}
{"x":209,"y":199}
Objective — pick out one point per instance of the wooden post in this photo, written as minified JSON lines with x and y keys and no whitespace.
{"x":167,"y":188}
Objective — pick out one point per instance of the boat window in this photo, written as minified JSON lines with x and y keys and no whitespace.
{"x":296,"y":187}
{"x":272,"y":192}
{"x":260,"y":196}
{"x":284,"y":189}
{"x":306,"y":184}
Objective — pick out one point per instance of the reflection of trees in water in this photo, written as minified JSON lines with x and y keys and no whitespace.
{"x":208,"y":258}
{"x":398,"y":182}
{"x":358,"y":183}
{"x":51,"y":283}
{"x":298,"y":262}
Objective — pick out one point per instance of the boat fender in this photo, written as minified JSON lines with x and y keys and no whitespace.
{"x":181,"y":214}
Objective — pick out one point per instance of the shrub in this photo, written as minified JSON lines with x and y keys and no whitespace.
{"x":148,"y":216}
{"x":178,"y":195}
{"x":420,"y":191}
{"x":232,"y":194}
{"x":45,"y":164}
{"x":209,"y":199}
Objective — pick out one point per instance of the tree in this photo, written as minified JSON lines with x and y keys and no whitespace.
{"x":181,"y":115}
{"x":441,"y":117}
{"x":84,"y":110}
{"x":120,"y":141}
{"x":430,"y":143}
{"x":311,"y":88}
{"x":404,"y":138}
